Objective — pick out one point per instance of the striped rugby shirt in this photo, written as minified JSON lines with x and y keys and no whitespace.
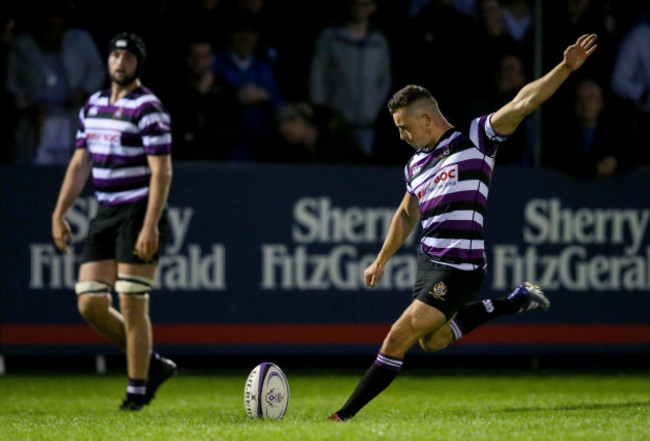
{"x":451,"y":183}
{"x":119,"y":137}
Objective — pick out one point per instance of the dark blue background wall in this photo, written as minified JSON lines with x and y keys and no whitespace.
{"x":270,"y":259}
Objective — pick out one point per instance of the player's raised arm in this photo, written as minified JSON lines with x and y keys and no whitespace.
{"x":506,"y":120}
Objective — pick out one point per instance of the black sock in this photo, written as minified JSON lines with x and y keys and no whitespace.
{"x":472,"y":316}
{"x":136,"y":390}
{"x":380,"y":375}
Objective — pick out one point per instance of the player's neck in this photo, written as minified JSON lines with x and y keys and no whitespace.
{"x":118,"y":91}
{"x":441,"y":127}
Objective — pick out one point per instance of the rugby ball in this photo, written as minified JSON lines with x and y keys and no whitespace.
{"x":266,"y":393}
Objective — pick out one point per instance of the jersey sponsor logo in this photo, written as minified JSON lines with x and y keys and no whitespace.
{"x":106,"y":137}
{"x":444,"y":178}
{"x":447,"y":174}
{"x":439,"y":291}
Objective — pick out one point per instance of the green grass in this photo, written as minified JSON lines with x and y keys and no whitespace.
{"x":415,"y":407}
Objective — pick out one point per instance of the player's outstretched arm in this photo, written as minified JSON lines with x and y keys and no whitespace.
{"x":506,"y":120}
{"x":401,"y":226}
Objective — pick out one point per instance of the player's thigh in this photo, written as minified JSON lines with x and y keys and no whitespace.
{"x":98,"y":271}
{"x":418,"y":320}
{"x":137,"y":269}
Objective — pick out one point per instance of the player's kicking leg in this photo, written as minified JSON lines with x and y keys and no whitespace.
{"x":526,"y":297}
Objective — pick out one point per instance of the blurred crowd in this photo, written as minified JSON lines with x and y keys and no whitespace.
{"x":295,"y":81}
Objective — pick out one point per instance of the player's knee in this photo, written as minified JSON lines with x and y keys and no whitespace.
{"x":400,"y":337}
{"x":92,"y":298}
{"x":133,"y":285}
{"x":432,"y":344}
{"x":437,"y":341}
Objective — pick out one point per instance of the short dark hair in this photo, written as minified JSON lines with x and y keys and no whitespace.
{"x":408,"y":95}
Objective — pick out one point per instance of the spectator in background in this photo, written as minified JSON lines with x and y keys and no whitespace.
{"x":518,"y":18}
{"x":631,"y":81}
{"x":508,"y":78}
{"x":568,"y":19}
{"x":51,"y":71}
{"x":205,"y":16}
{"x":495,"y":41}
{"x":590,"y":141}
{"x":351,"y":70}
{"x":208,"y":122}
{"x":444,"y":41}
{"x":313,"y":134}
{"x":254,"y":80}
{"x":266,"y":44}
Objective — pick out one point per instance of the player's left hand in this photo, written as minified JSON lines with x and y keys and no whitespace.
{"x":576,"y":54}
{"x":146,"y":246}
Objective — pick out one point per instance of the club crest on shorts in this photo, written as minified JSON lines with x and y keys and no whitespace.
{"x":439,"y":291}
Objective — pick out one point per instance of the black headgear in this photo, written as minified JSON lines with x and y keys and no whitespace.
{"x":131,"y":43}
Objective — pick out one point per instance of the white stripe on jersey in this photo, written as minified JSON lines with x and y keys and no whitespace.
{"x":460,"y":186}
{"x":126,"y":172}
{"x":455,"y":158}
{"x":108,"y":148}
{"x":464,"y":215}
{"x":163,"y":139}
{"x":465,"y":244}
{"x":111,"y":125}
{"x":146,"y":98}
{"x":122,"y":195}
{"x":153,"y":118}
{"x":489,"y":132}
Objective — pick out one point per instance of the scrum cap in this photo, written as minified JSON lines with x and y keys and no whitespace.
{"x":132,"y":43}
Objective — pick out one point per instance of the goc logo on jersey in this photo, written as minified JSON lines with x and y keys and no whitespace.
{"x":448,"y":173}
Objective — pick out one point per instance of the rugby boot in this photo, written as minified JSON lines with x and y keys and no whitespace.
{"x":529,"y":297}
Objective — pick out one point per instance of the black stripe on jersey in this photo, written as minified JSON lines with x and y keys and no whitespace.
{"x":476,"y":261}
{"x":454,"y":206}
{"x":115,"y":165}
{"x":151,"y":107}
{"x":454,"y":234}
{"x":124,"y":187}
{"x":132,"y":141}
{"x":469,"y":175}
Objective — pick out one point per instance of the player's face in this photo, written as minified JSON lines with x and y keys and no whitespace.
{"x":122,"y":66}
{"x":411,"y":128}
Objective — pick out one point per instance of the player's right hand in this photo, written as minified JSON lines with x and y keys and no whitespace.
{"x":373,"y":273}
{"x":61,"y":233}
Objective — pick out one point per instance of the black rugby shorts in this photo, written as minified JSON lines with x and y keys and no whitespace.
{"x":446,"y":288}
{"x":114,"y":230}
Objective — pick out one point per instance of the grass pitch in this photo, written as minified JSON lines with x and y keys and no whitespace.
{"x":415,"y":407}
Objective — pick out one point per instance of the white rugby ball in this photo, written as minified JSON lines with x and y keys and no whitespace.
{"x":266,"y":393}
